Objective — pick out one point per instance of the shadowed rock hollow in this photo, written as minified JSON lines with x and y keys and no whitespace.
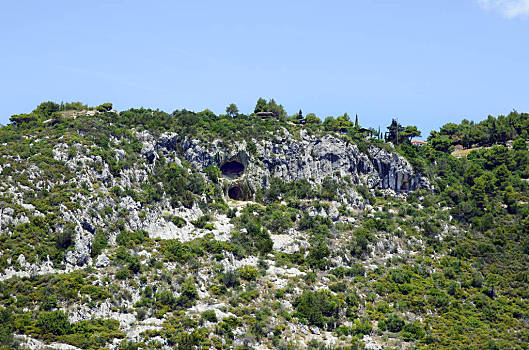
{"x":235,"y":192}
{"x":232,"y":169}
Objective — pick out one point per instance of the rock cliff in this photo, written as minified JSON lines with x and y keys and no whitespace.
{"x":307,"y":157}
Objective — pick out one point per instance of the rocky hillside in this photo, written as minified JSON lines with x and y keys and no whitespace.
{"x":143,"y":229}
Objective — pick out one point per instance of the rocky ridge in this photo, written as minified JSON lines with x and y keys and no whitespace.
{"x":308,"y":157}
{"x":287,"y":157}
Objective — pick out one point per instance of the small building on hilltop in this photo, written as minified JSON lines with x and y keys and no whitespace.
{"x":418,"y":143}
{"x":264,"y":114}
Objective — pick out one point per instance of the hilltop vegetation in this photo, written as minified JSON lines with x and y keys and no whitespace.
{"x":102,"y":246}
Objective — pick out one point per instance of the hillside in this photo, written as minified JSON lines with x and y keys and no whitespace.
{"x":142,"y":229}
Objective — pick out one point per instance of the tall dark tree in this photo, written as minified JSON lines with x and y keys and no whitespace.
{"x":299,"y":117}
{"x":394,"y":129}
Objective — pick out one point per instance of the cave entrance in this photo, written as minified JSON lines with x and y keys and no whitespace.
{"x":232,"y":169}
{"x":235,"y":193}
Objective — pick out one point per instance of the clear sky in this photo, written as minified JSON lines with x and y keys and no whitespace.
{"x":426,"y":62}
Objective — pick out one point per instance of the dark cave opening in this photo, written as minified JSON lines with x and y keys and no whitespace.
{"x":405,"y":186}
{"x":235,"y":193}
{"x":232,"y":169}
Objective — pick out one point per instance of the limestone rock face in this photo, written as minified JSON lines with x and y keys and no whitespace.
{"x":306,"y":157}
{"x":102,"y":261}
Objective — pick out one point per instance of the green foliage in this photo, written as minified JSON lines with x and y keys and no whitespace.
{"x":179,"y":184}
{"x":329,"y":187}
{"x":359,"y":243}
{"x":130,"y":239}
{"x":95,"y":292}
{"x":213,"y":173}
{"x":46,"y":109}
{"x":412,"y":331}
{"x":174,"y":250}
{"x":466,"y":280}
{"x":230,"y":278}
{"x":319,"y":308}
{"x":271,"y":106}
{"x":253,"y":237}
{"x":279,"y":189}
{"x":209,"y":315}
{"x":54,"y":323}
{"x":248,"y":272}
{"x":393,"y":323}
{"x":6,"y":328}
{"x":64,"y":238}
{"x":317,"y":257}
{"x":188,"y":294}
{"x":312,"y":119}
{"x":93,"y":334}
{"x":99,"y":243}
{"x":202,"y":221}
{"x":105,"y":107}
{"x":485,"y":133}
{"x":20,"y":119}
{"x":232,"y":110}
{"x":178,"y":221}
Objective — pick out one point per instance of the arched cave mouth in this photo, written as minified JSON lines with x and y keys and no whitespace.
{"x":232,"y":168}
{"x":235,"y":193}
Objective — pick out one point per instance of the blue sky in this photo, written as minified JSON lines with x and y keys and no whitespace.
{"x":426,"y":62}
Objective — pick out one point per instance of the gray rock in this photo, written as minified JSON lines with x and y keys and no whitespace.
{"x":308,"y":158}
{"x":102,"y":261}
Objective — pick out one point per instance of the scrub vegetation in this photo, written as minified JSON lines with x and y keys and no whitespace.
{"x":446,"y":268}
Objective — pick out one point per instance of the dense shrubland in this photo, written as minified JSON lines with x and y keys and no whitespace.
{"x":446,"y":268}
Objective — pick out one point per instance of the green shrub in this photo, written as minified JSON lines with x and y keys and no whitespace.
{"x":394,"y":323}
{"x":201,"y":221}
{"x":230,"y":278}
{"x":319,"y":308}
{"x":209,"y":315}
{"x":54,"y":323}
{"x":178,"y":221}
{"x":317,"y":257}
{"x":188,"y":294}
{"x":99,"y":243}
{"x":130,"y":239}
{"x":123,"y":274}
{"x":64,"y":238}
{"x":213,"y":173}
{"x":359,"y":243}
{"x":174,"y":250}
{"x":6,"y":328}
{"x":338,"y":287}
{"x":248,"y":272}
{"x":412,"y":331}
{"x":95,"y":292}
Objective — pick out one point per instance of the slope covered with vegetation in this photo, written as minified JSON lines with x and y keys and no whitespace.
{"x":296,"y":266}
